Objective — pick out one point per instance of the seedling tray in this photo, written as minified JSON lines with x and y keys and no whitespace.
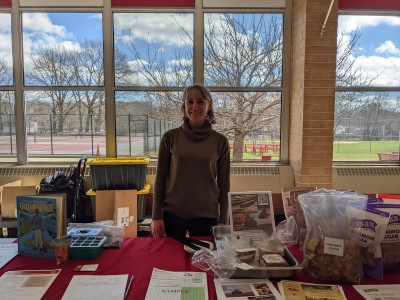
{"x":86,"y":247}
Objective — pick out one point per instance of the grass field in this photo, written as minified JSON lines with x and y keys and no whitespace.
{"x":343,"y":150}
{"x":362,"y":150}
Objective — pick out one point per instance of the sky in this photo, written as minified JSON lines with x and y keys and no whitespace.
{"x":378,"y":51}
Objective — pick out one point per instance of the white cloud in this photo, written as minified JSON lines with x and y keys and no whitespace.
{"x":5,"y":38}
{"x":388,"y":47}
{"x":349,"y":24}
{"x":153,"y":27}
{"x":40,"y":23}
{"x":385,"y":70}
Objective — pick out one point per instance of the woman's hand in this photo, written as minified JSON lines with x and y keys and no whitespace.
{"x":158,"y":228}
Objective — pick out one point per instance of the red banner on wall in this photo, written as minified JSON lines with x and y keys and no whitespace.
{"x":153,"y":3}
{"x":5,"y":3}
{"x":369,"y":4}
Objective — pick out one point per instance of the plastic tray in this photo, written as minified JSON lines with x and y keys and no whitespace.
{"x":270,"y":272}
{"x":85,"y":247}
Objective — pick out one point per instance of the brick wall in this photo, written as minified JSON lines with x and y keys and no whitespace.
{"x":312,"y":92}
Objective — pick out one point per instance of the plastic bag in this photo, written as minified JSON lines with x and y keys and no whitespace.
{"x":114,"y":234}
{"x":286,"y":231}
{"x":220,"y":262}
{"x":331,"y":252}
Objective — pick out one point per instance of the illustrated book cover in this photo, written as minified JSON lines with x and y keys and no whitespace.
{"x":40,"y":219}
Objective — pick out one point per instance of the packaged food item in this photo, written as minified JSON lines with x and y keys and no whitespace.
{"x":331,"y":251}
{"x":273,"y":260}
{"x":246,"y":255}
{"x":368,"y":228}
{"x":271,"y":246}
{"x":390,"y":245}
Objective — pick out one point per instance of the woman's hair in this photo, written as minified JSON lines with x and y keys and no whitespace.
{"x":205,"y":92}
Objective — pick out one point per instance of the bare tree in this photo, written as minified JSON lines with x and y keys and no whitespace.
{"x":240,"y":51}
{"x":244,"y":51}
{"x":356,"y":110}
{"x":51,"y":66}
{"x":6,"y":98}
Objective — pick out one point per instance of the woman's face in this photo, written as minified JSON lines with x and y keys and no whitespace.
{"x":196,"y":108}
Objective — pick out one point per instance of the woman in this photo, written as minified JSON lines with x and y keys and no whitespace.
{"x":192,"y":180}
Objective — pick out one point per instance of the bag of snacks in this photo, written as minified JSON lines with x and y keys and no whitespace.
{"x":368,"y":227}
{"x":390,"y":245}
{"x":331,"y":252}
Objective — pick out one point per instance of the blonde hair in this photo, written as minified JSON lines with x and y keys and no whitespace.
{"x":205,"y":92}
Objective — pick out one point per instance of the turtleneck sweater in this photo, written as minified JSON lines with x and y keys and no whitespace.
{"x":192,"y":177}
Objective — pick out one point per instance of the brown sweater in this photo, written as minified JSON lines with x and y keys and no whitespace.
{"x":193,"y":174}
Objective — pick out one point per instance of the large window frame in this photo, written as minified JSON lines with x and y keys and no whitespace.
{"x":373,"y":89}
{"x":107,"y":11}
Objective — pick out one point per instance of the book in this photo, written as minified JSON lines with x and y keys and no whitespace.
{"x":295,"y":290}
{"x":40,"y":219}
{"x":246,"y":289}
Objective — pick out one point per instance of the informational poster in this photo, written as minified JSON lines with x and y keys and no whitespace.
{"x":252,"y":215}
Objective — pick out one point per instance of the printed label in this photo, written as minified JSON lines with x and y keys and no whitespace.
{"x":333,"y":246}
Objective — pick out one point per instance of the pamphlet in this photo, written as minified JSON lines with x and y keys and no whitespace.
{"x":379,"y":291}
{"x":246,"y":289}
{"x":26,"y":284}
{"x":294,"y":290}
{"x":167,"y":285}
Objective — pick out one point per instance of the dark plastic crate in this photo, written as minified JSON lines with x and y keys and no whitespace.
{"x":118,"y":173}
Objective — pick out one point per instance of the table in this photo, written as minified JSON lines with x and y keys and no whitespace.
{"x":139,"y":256}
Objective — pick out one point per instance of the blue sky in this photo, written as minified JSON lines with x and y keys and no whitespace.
{"x":379,"y":49}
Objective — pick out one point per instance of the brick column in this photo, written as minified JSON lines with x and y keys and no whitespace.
{"x":312,"y":96}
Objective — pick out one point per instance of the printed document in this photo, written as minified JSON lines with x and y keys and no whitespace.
{"x":8,"y":250}
{"x":26,"y":284}
{"x":379,"y":291}
{"x":246,"y":289}
{"x":85,"y":287}
{"x":168,"y":285}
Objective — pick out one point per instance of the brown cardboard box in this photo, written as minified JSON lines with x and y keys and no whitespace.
{"x":120,"y":206}
{"x":8,"y":194}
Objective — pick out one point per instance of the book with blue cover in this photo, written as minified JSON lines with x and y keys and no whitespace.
{"x":40,"y":219}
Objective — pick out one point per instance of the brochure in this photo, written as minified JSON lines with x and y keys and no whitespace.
{"x":246,"y":289}
{"x":294,"y":290}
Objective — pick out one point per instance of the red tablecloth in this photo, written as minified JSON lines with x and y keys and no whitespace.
{"x":139,"y":256}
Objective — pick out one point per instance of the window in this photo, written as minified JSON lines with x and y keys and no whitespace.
{"x":7,"y":118}
{"x":107,"y":79}
{"x":367,"y":104}
{"x":244,"y":51}
{"x":63,"y":51}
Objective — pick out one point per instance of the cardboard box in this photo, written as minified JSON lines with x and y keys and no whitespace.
{"x":120,"y":206}
{"x":8,"y":194}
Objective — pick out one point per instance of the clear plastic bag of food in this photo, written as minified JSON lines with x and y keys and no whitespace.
{"x":331,"y":251}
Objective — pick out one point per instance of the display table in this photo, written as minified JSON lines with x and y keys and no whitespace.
{"x":139,"y":256}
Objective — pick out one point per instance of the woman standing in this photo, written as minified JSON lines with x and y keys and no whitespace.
{"x":192,"y":181}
